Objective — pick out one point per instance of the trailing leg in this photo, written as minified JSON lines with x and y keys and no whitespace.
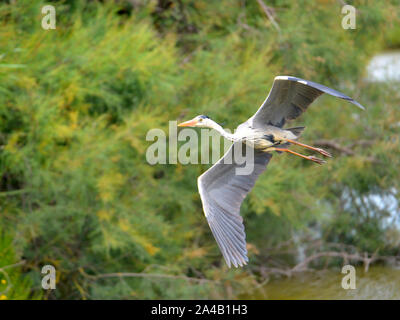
{"x":321,"y":151}
{"x":311,"y":158}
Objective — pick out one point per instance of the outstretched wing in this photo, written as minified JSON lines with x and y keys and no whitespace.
{"x":288,"y":99}
{"x":222,"y":191}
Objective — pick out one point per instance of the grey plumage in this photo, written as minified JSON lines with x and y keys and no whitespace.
{"x":222,"y":193}
{"x":289,"y":98}
{"x":222,"y":190}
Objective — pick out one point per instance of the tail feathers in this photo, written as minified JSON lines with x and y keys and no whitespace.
{"x":297,"y":131}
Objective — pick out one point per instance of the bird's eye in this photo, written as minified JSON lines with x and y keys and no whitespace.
{"x":201,"y":120}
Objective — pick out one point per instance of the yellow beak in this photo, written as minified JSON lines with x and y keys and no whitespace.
{"x":190,"y":123}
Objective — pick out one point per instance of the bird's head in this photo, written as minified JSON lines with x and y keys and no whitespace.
{"x":200,"y":121}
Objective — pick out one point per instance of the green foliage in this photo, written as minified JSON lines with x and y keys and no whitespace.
{"x":76,"y":104}
{"x":13,"y":284}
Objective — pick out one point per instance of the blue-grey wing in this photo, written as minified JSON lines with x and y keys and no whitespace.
{"x":289,"y":98}
{"x":222,"y":191}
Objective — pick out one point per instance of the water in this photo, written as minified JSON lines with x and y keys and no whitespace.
{"x":385,"y":67}
{"x":378,"y":283}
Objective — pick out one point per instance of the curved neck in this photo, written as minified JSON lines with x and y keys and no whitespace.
{"x":223,"y":133}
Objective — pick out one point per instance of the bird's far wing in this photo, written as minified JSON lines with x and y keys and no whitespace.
{"x":289,"y":98}
{"x":222,"y":192}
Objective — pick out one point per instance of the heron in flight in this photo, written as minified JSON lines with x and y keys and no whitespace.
{"x":222,"y":191}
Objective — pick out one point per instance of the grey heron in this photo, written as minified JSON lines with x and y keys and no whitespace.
{"x":222,"y":191}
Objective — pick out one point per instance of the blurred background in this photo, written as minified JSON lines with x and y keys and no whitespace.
{"x":77,"y":193}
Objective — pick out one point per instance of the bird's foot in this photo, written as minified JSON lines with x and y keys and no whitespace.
{"x":317,"y":160}
{"x":323,"y":152}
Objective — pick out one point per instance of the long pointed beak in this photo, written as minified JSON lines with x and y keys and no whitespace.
{"x":190,"y":123}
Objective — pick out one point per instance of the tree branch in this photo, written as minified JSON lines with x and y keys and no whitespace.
{"x":146,"y":275}
{"x":266,"y":10}
{"x":346,"y":150}
{"x":334,"y":145}
{"x":303,"y":266}
{"x":7,"y":277}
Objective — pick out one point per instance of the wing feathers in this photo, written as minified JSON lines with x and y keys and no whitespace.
{"x":222,"y":193}
{"x":289,"y":98}
{"x":234,"y":249}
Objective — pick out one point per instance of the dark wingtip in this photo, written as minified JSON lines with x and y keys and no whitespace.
{"x":357,"y":104}
{"x":322,"y":88}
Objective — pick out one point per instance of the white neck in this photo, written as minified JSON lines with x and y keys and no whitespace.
{"x":221,"y":130}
